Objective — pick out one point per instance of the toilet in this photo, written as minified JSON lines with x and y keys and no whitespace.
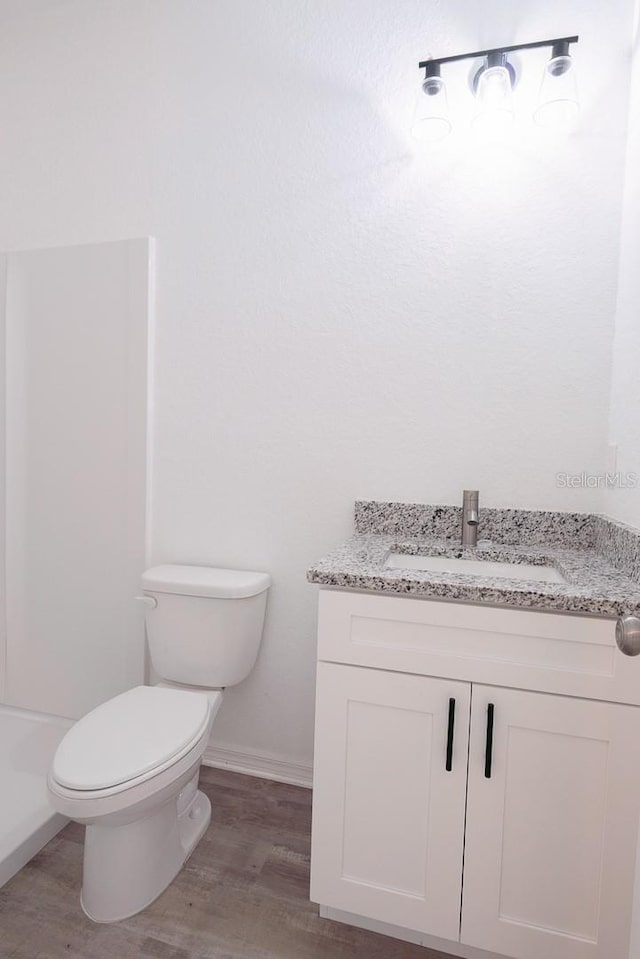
{"x":129,"y":769}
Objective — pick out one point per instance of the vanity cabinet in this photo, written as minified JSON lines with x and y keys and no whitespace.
{"x":494,"y":817}
{"x":550,"y":840}
{"x":388,"y":826}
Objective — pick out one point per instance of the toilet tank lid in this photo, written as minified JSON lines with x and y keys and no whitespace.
{"x":205,"y":581}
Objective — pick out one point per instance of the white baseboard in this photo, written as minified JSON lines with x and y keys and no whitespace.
{"x":261,"y":765}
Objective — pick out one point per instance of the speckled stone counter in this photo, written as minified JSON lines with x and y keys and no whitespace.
{"x":598,"y":559}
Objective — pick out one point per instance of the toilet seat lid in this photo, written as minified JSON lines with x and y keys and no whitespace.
{"x":130,"y":735}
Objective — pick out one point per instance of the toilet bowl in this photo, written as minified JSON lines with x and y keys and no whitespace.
{"x":128,"y":770}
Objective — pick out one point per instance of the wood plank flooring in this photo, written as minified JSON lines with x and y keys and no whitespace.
{"x":242,"y":895}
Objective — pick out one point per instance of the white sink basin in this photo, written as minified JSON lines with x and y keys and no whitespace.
{"x":475,"y":567}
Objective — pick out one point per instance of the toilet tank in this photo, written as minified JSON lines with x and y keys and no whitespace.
{"x":206,"y":625}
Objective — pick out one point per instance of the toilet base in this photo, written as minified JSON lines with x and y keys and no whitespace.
{"x":127,"y":867}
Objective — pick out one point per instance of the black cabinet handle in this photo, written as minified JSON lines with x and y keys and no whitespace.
{"x":451,"y":724}
{"x":488,"y":753}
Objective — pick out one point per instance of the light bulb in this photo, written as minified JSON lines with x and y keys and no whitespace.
{"x":431,"y":118}
{"x":495,"y":98}
{"x":558,"y":103}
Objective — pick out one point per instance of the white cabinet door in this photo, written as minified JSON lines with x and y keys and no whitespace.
{"x":551,"y":834}
{"x":388,"y":816}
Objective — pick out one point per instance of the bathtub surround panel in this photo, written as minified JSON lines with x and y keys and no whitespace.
{"x":77,"y":323}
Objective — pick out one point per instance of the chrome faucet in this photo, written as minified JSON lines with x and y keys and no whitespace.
{"x":470,"y":517}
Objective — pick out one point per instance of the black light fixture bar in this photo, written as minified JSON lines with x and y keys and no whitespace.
{"x":485,"y":53}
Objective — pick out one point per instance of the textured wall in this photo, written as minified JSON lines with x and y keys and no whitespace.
{"x":338,"y":316}
{"x":624,"y":426}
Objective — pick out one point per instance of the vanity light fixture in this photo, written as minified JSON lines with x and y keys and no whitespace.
{"x":493,"y":84}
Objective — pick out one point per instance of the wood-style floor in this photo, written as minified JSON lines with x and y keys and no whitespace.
{"x":242,"y":895}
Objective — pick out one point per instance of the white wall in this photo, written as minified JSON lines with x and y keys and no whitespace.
{"x":337,"y":316}
{"x":624,"y":424}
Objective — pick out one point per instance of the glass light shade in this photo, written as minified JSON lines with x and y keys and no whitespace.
{"x":431,"y":118}
{"x":558,"y":103}
{"x":495,"y":100}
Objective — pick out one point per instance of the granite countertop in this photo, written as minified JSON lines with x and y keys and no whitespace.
{"x":598,"y":559}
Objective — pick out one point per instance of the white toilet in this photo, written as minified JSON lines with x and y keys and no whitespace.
{"x":129,"y":768}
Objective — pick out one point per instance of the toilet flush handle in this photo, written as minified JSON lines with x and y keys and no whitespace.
{"x":149,"y":601}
